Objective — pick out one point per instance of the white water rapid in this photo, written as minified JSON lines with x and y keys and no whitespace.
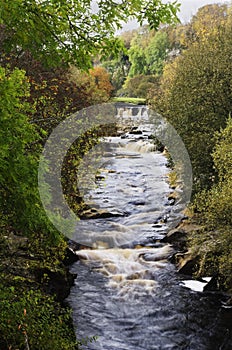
{"x":127,"y":292}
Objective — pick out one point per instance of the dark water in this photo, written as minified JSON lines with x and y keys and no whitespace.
{"x":127,"y":292}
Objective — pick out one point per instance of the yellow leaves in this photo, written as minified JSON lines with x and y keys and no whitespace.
{"x":54,"y":88}
{"x":96,"y":83}
{"x":102,"y":80}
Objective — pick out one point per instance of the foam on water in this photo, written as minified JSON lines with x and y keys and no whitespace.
{"x":127,"y":269}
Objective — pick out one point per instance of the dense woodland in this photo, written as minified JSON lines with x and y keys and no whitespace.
{"x":52,"y":63}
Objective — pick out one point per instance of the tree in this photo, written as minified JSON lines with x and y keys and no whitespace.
{"x":127,"y":37}
{"x":156,"y":53}
{"x":136,"y":53}
{"x":205,"y":21}
{"x":138,"y":61}
{"x":139,"y":85}
{"x":214,"y":209}
{"x":118,"y":67}
{"x":59,"y":31}
{"x":19,"y":157}
{"x":102,"y":82}
{"x":196,"y":97}
{"x":96,"y":83}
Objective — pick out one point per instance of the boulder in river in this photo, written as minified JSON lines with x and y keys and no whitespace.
{"x":188,"y":263}
{"x":94,"y":213}
{"x":136,"y":132}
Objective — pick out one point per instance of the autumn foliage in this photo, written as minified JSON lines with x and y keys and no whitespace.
{"x":95,"y":82}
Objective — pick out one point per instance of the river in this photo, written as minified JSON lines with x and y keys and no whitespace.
{"x":127,"y":292}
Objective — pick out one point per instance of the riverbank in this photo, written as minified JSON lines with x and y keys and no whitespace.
{"x":186,"y":258}
{"x":183,"y":237}
{"x":34,"y":314}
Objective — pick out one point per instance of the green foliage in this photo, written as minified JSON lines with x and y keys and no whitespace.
{"x":137,"y":57}
{"x":137,"y":70}
{"x":139,"y":86}
{"x":17,"y":137}
{"x":222,"y":154}
{"x":19,"y":156}
{"x":207,"y":19}
{"x":149,"y":51}
{"x":34,"y":319}
{"x":59,"y":31}
{"x":214,"y":210}
{"x":134,"y":100}
{"x":196,"y":97}
{"x":156,"y":53}
{"x":70,"y":170}
{"x":118,"y":68}
{"x":216,"y":204}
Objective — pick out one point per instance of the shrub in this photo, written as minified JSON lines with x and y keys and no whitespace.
{"x":34,"y":319}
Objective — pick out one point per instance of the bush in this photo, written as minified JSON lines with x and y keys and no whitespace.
{"x":139,"y":86}
{"x":19,"y":156}
{"x":34,"y":319}
{"x":214,"y":208}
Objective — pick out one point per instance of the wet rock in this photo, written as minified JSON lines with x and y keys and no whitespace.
{"x":71,"y":256}
{"x":160,"y":148}
{"x":134,"y":128}
{"x":136,"y":132}
{"x":190,"y":267}
{"x":155,"y":245}
{"x":124,"y":136}
{"x":151,"y":257}
{"x":137,"y":202}
{"x":187,"y":263}
{"x":172,"y":195}
{"x":184,"y":218}
{"x":170,"y":201}
{"x":172,"y":198}
{"x":176,"y":237}
{"x":158,"y":219}
{"x":212,"y":285}
{"x":57,"y":283}
{"x":157,"y":226}
{"x":94,"y":213}
{"x":161,"y":220}
{"x":99,"y":177}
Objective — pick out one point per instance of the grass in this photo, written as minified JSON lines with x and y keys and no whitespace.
{"x":134,"y":100}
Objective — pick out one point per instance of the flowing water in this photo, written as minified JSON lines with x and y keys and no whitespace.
{"x":127,"y":293}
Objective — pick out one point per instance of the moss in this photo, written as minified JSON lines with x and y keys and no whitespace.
{"x":34,"y":283}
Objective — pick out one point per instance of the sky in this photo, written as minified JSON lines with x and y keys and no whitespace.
{"x":187,"y":10}
{"x":190,"y":7}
